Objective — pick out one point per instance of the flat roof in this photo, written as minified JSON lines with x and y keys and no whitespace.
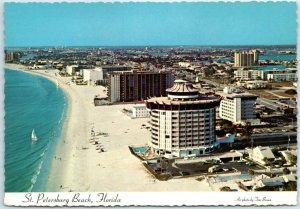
{"x":132,"y":72}
{"x":235,"y":95}
{"x":167,"y":100}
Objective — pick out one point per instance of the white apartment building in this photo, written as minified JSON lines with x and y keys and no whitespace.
{"x":243,"y":74}
{"x":70,"y":69}
{"x":236,"y":107}
{"x":92,"y":76}
{"x":183,"y":123}
{"x":282,"y":77}
{"x":114,"y":88}
{"x":140,"y":111}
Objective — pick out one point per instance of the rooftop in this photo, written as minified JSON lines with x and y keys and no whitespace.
{"x":265,"y":151}
{"x":136,"y":72}
{"x":182,"y":86}
{"x":235,"y":95}
{"x":200,"y":100}
{"x":183,"y":93}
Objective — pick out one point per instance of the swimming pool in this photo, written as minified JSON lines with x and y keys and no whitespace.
{"x":139,"y":149}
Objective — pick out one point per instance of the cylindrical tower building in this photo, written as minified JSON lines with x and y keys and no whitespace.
{"x":183,"y":123}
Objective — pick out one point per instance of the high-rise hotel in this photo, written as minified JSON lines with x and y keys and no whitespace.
{"x":128,"y":86}
{"x":246,"y":59}
{"x":183,"y":123}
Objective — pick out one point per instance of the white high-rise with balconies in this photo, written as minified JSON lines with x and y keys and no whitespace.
{"x":183,"y":123}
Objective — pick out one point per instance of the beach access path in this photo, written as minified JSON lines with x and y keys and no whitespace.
{"x":79,"y":166}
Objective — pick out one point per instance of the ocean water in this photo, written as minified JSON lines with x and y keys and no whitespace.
{"x":31,"y":102}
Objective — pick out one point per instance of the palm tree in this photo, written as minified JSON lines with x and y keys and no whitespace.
{"x":251,"y":173}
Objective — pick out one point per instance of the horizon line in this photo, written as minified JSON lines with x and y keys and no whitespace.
{"x":176,"y":45}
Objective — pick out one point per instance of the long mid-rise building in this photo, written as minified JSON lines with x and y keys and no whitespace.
{"x":244,"y":74}
{"x":183,"y":123}
{"x":128,"y":86}
{"x":242,"y":59}
{"x":277,"y":75}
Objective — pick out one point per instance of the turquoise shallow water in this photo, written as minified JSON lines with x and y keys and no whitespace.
{"x":279,"y":57}
{"x":31,"y":102}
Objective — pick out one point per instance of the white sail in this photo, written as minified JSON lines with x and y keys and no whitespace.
{"x":33,"y":136}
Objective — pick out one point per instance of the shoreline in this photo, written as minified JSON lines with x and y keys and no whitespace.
{"x":55,"y":179}
{"x":21,"y":68}
{"x":79,"y":166}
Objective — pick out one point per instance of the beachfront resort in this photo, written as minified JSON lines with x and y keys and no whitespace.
{"x":170,"y":123}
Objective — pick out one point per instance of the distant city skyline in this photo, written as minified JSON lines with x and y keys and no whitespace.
{"x":150,"y":24}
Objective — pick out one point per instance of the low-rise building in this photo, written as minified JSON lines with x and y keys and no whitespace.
{"x":282,"y":77}
{"x":244,"y":74}
{"x":261,"y":155}
{"x":140,"y":111}
{"x":255,"y":84}
{"x":263,"y":181}
{"x":288,"y":155}
{"x":287,"y":74}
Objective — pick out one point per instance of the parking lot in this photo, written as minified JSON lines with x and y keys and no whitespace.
{"x":200,"y":168}
{"x":240,"y":166}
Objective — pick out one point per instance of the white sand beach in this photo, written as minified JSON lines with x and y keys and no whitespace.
{"x":78,"y":166}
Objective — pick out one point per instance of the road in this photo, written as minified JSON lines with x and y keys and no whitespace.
{"x":268,"y":103}
{"x":266,"y":140}
{"x":214,"y":83}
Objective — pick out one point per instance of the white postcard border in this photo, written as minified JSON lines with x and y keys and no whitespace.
{"x":150,"y":199}
{"x":144,"y":198}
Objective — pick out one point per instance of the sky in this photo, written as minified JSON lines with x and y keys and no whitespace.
{"x":149,"y":24}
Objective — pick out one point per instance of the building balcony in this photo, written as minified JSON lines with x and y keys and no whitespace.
{"x":154,"y":139}
{"x":154,"y":121}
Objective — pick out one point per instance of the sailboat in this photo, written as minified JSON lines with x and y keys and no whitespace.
{"x":33,"y":136}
